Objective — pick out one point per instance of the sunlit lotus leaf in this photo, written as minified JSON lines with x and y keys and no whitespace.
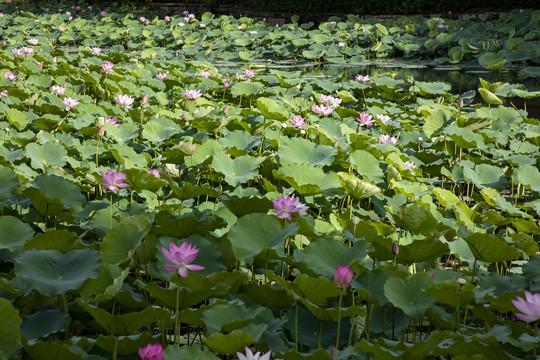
{"x":427,"y":250}
{"x":491,"y":248}
{"x":44,"y":322}
{"x":246,"y":88}
{"x":485,"y":175}
{"x":431,"y":88}
{"x":310,"y":180}
{"x":120,"y":242}
{"x":122,"y":134}
{"x":409,"y":295}
{"x":415,"y":218}
{"x":445,"y":197}
{"x":52,"y":273}
{"x":489,"y":97}
{"x":244,"y":205}
{"x":10,"y":332}
{"x":235,"y":341}
{"x":270,"y":109}
{"x":50,"y":153}
{"x":357,"y":188}
{"x":436,"y":121}
{"x":240,"y":139}
{"x":159,"y":129}
{"x":255,"y":233}
{"x":142,"y":179}
{"x":125,"y":324}
{"x":60,"y":240}
{"x":324,"y":256}
{"x":188,"y":353}
{"x":17,"y":118}
{"x":46,"y":350}
{"x":494,"y":198}
{"x":303,"y":151}
{"x":367,"y":165}
{"x":127,"y":156}
{"x":106,"y":286}
{"x":529,"y":176}
{"x":464,"y":136}
{"x":368,"y":285}
{"x":237,"y":171}
{"x":14,"y":233}
{"x":228,"y":317}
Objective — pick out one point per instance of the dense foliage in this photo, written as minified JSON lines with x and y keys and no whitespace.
{"x":148,"y":196}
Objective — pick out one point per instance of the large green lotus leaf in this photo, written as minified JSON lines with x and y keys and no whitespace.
{"x":237,"y":171}
{"x":158,"y":130}
{"x":190,"y":191}
{"x":367,"y":165}
{"x":9,"y":182}
{"x":427,"y":250}
{"x":127,"y":156}
{"x":120,"y":242}
{"x":255,"y":233}
{"x":183,"y":226}
{"x":436,"y":121}
{"x":42,"y":156}
{"x":121,"y":134}
{"x":60,"y":240}
{"x":324,"y":256}
{"x":106,"y":286}
{"x":142,"y":179}
{"x":529,"y":176}
{"x":415,"y":218}
{"x":270,"y":109}
{"x":125,"y":345}
{"x":464,"y":137}
{"x":125,"y":324}
{"x":452,"y":293}
{"x":494,"y":198}
{"x":228,"y":317}
{"x":246,"y":88}
{"x":431,"y":88}
{"x":236,"y":340}
{"x":241,"y":206}
{"x":409,"y":296}
{"x":489,"y":97}
{"x":240,"y":139}
{"x":10,"y":332}
{"x":17,"y":118}
{"x":53,"y":194}
{"x":44,"y":322}
{"x":485,"y":175}
{"x":357,"y":188}
{"x":309,"y":180}
{"x":491,"y":248}
{"x":52,"y":273}
{"x":368,"y":285}
{"x":303,"y":151}
{"x":14,"y":233}
{"x":530,"y":71}
{"x":188,"y":353}
{"x":196,"y":155}
{"x":46,"y":350}
{"x":266,"y":295}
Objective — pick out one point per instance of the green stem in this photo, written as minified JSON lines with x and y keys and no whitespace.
{"x":115,"y":350}
{"x":339,"y":319}
{"x":177,"y":315}
{"x":296,"y":327}
{"x":110,"y":213}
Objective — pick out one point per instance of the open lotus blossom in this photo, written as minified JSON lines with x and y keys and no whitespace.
{"x":341,"y":44}
{"x":162,"y":76}
{"x":4,"y":94}
{"x":362,"y":78}
{"x":365,"y":119}
{"x":151,"y":352}
{"x":27,"y":50}
{"x":124,"y":100}
{"x":249,"y":73}
{"x":321,"y":110}
{"x":107,"y":121}
{"x":329,"y":100}
{"x":17,"y":52}
{"x":39,"y":64}
{"x":142,"y":19}
{"x":251,"y":356}
{"x":69,"y":103}
{"x":529,"y":307}
{"x":192,"y":94}
{"x":181,"y":24}
{"x":343,"y":276}
{"x":410,"y":165}
{"x":297,"y":121}
{"x":205,"y":74}
{"x":61,"y":29}
{"x":284,"y":206}
{"x":103,"y":13}
{"x":155,"y":173}
{"x":95,"y":50}
{"x":58,"y":90}
{"x":182,"y":257}
{"x":33,"y":41}
{"x":9,"y":75}
{"x":202,"y":26}
{"x":384,"y":118}
{"x":386,"y":139}
{"x":113,"y":180}
{"x":168,"y":18}
{"x":107,"y":66}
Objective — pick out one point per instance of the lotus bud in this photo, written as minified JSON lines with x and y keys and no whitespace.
{"x":302,"y":132}
{"x":226,"y":109}
{"x":54,"y":60}
{"x":333,"y":353}
{"x":225,"y":84}
{"x":432,"y":276}
{"x":395,"y":248}
{"x":460,"y":103}
{"x":144,"y":99}
{"x":184,"y":117}
{"x":336,"y":143}
{"x":101,"y":131}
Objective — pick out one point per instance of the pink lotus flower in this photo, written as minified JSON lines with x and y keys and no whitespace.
{"x":329,"y":100}
{"x":192,"y":94}
{"x":181,"y":24}
{"x":155,"y":173}
{"x":205,"y":74}
{"x":69,"y":103}
{"x":250,"y":356}
{"x":202,"y":26}
{"x":9,"y":75}
{"x":39,"y":64}
{"x":341,"y":44}
{"x":107,"y":66}
{"x":124,"y":100}
{"x":167,"y":18}
{"x":362,"y":78}
{"x":107,"y":121}
{"x":142,"y":19}
{"x":240,"y":27}
{"x":297,"y":121}
{"x":33,"y":41}
{"x":17,"y":52}
{"x":144,"y":99}
{"x":151,"y":352}
{"x":27,"y":50}
{"x":113,"y":180}
{"x":284,"y":206}
{"x":103,"y":13}
{"x":58,"y":90}
{"x":410,"y":165}
{"x":4,"y":94}
{"x":365,"y":119}
{"x":530,"y":307}
{"x":61,"y":29}
{"x":225,"y":84}
{"x":181,"y":256}
{"x":162,"y":76}
{"x":249,"y":73}
{"x":343,"y":276}
{"x":386,"y":139}
{"x":384,"y":118}
{"x":95,"y":50}
{"x":321,"y":110}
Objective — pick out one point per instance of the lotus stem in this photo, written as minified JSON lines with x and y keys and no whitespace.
{"x":296,"y":327}
{"x":177,"y":315}
{"x":339,"y":319}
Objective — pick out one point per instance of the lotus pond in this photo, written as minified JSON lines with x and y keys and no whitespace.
{"x":172,"y":188}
